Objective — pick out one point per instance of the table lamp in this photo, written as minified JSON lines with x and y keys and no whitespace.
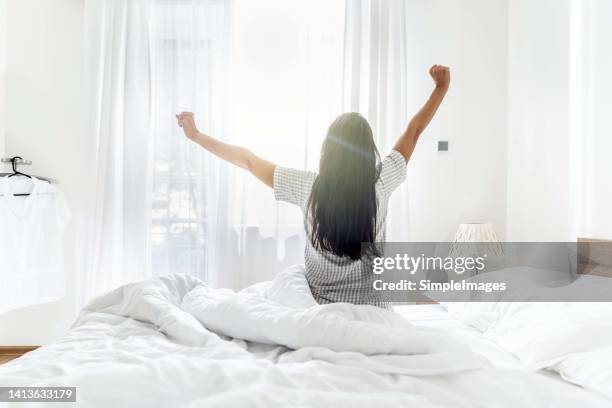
{"x":476,"y":239}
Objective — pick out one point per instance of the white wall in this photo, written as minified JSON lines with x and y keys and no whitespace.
{"x":468,"y":183}
{"x":559,"y":121}
{"x":538,"y":121}
{"x":42,"y":120}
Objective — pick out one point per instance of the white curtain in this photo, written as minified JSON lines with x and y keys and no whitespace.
{"x":375,"y":83}
{"x":116,"y":147}
{"x":590,"y":119}
{"x":158,"y":204}
{"x":270,"y":75}
{"x":286,"y":69}
{"x":190,"y":232}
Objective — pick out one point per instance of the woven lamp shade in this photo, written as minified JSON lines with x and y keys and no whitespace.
{"x":476,"y":239}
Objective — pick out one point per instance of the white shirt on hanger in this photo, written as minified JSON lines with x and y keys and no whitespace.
{"x":31,"y":261}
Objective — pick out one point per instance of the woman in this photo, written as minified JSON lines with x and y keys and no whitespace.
{"x":345,"y":204}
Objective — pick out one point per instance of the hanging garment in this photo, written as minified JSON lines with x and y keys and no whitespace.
{"x":31,"y":262}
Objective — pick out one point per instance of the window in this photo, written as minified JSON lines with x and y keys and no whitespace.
{"x":187,"y":39}
{"x":265,"y":76}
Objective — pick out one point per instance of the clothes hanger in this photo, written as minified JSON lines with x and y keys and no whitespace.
{"x":16,"y":160}
{"x":15,"y":171}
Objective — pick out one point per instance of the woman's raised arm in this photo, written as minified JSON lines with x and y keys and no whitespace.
{"x":241,"y":157}
{"x":406,"y":143}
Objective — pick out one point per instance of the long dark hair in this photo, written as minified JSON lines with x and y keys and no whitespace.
{"x":342,"y":204}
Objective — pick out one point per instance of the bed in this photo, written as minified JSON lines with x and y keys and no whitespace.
{"x":175,"y":342}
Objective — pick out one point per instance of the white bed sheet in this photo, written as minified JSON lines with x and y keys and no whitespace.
{"x":434,"y":318}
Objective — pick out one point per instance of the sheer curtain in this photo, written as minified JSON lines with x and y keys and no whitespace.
{"x":157,"y":204}
{"x":590,"y":120}
{"x":189,"y":43}
{"x":270,"y":75}
{"x":286,"y":89}
{"x":375,"y":83}
{"x":116,"y":147}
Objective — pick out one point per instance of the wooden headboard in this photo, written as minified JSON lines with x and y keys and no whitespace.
{"x":594,"y":257}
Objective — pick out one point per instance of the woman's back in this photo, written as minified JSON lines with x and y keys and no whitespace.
{"x":335,"y":278}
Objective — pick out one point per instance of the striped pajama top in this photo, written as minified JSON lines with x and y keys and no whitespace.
{"x":332,"y":278}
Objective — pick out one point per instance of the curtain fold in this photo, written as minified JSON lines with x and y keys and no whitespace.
{"x":116,"y":143}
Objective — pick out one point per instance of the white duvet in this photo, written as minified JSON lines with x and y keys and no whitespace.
{"x":176,"y":342}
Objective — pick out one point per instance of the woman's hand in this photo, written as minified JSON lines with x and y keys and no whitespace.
{"x":440,"y":75}
{"x":186,"y":120}
{"x":241,"y":157}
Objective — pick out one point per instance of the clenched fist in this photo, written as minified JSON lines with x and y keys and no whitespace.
{"x":186,"y":120}
{"x":440,"y":75}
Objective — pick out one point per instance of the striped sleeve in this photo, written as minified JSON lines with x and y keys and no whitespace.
{"x":293,"y":186}
{"x":393,"y":171}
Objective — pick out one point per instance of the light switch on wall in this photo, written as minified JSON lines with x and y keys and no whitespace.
{"x":442,"y":145}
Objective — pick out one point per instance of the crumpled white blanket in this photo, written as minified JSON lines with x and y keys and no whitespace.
{"x":175,"y":341}
{"x":284,"y":313}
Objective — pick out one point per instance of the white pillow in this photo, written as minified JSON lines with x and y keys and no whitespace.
{"x":591,"y":370}
{"x":542,"y":334}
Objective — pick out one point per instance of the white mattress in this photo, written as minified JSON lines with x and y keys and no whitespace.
{"x":540,"y":388}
